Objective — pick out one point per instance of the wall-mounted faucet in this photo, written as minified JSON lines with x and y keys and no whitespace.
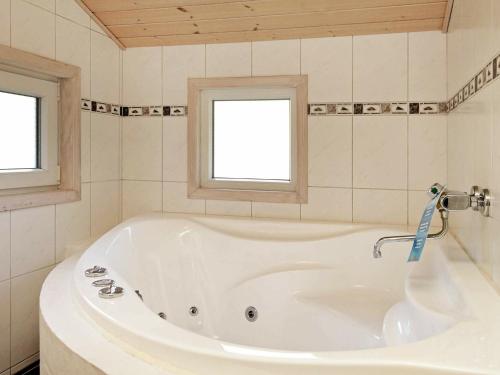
{"x":478,"y":199}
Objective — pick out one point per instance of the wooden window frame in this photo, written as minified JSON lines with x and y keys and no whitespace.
{"x":69,"y":117}
{"x":195,"y":188}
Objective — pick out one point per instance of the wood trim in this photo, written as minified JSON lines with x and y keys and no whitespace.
{"x":282,"y":34}
{"x":196,"y":191}
{"x":69,"y":118}
{"x":101,"y":25}
{"x":447,"y":16}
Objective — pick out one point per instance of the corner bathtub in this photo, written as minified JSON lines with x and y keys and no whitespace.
{"x":321,"y":304}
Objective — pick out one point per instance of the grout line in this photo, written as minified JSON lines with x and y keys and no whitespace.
{"x":352,"y":128}
{"x":10,"y":289}
{"x":407,"y":128}
{"x":162,"y":123}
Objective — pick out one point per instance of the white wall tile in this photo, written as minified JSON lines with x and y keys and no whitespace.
{"x":72,"y":222}
{"x":95,"y":27}
{"x":229,"y":208}
{"x":142,"y":76}
{"x":426,"y":151}
{"x":73,"y":47}
{"x":85,"y":146}
{"x":72,"y":11}
{"x":380,"y":67}
{"x":229,"y":60}
{"x":380,"y":152}
{"x":142,"y":148}
{"x":276,"y":58}
{"x":328,"y":204}
{"x":5,"y":325}
{"x":49,"y":5}
{"x":33,"y":29}
{"x":175,"y":199}
{"x":175,"y":149}
{"x":330,"y":151}
{"x":105,"y":147}
{"x":105,"y":206}
{"x":179,"y":64}
{"x":380,"y":206}
{"x":5,"y":22}
{"x":4,"y":245}
{"x":141,"y":197}
{"x":25,"y":290}
{"x":105,"y":69}
{"x":328,"y":64}
{"x":276,"y":210}
{"x":33,"y":239}
{"x":495,"y":141}
{"x":427,"y":66}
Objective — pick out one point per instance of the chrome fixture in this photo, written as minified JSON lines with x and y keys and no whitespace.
{"x":251,"y":314}
{"x":103,"y":282}
{"x":96,"y":271}
{"x":478,"y":199}
{"x":193,"y":311}
{"x":111,"y":292}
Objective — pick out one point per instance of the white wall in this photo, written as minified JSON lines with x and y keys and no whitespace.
{"x":474,"y":126}
{"x":33,"y":240}
{"x":361,"y":168}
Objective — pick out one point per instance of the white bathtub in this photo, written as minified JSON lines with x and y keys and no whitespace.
{"x":324,"y":305}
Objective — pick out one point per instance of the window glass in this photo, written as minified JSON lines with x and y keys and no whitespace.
{"x":18,"y":132}
{"x":251,"y":139}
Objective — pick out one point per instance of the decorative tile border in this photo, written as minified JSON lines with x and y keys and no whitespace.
{"x":488,"y":74}
{"x":124,"y":111}
{"x":316,"y":109}
{"x":412,"y":108}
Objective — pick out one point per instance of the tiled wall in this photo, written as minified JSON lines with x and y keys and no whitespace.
{"x":366,"y":168}
{"x":474,"y":123}
{"x":33,"y":240}
{"x":363,"y":168}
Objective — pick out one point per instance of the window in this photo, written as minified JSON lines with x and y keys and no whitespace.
{"x":28,"y":132}
{"x":248,"y":139}
{"x":19,"y":130}
{"x":39,"y":130}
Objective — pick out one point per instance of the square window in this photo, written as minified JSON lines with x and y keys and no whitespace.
{"x":248,"y":139}
{"x":252,"y":139}
{"x":19,"y":132}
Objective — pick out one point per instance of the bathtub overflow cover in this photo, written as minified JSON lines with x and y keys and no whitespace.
{"x":193,"y":311}
{"x":251,"y":314}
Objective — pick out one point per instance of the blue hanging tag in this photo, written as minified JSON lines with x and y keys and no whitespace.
{"x":424,"y":226}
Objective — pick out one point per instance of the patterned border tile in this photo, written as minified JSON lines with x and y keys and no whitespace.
{"x":397,"y":108}
{"x":314,"y":109}
{"x":484,"y":77}
{"x":127,"y":111}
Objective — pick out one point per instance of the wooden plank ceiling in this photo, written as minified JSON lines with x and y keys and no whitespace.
{"x":138,"y":23}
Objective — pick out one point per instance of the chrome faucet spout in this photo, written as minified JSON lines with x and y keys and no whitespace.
{"x":377,"y":253}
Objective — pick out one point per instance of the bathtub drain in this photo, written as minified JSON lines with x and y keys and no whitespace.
{"x":251,"y":314}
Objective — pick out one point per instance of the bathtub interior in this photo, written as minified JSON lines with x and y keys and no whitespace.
{"x":318,"y":290}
